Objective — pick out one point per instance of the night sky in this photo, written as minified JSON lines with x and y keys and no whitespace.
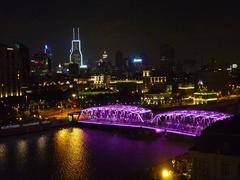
{"x":195,"y":30}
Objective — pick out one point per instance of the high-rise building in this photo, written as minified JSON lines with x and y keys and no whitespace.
{"x":48,"y":51}
{"x":40,"y":64}
{"x":119,"y":61}
{"x":137,"y":63}
{"x":76,"y":56}
{"x":103,"y":64}
{"x":14,"y":69}
{"x":23,"y":57}
{"x":167,"y":58}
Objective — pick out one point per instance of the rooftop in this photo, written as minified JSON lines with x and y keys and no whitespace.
{"x":221,"y":137}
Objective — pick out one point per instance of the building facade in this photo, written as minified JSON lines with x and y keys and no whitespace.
{"x":14,"y":69}
{"x":40,"y":64}
{"x":76,"y":56}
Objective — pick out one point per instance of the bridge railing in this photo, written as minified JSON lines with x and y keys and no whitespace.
{"x":183,"y":121}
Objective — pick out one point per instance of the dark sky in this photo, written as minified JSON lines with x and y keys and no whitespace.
{"x":195,"y":30}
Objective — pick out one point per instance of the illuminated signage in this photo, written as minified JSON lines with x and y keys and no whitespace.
{"x":137,"y":60}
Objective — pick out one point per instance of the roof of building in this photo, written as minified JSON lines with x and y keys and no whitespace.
{"x":221,"y":137}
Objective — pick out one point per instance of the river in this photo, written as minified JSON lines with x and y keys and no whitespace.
{"x":75,"y":153}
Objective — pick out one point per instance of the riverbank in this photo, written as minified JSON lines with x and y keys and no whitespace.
{"x":55,"y":124}
{"x":33,"y":127}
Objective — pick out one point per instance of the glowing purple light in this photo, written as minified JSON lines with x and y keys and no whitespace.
{"x":157,"y":130}
{"x":117,"y":113}
{"x":185,"y":122}
{"x":188,"y":121}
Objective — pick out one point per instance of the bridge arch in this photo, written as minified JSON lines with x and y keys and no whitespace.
{"x":117,"y":113}
{"x":187,"y":121}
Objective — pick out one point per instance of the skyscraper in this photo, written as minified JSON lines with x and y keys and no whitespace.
{"x":167,"y":58}
{"x":76,"y":56}
{"x":48,"y":52}
{"x":103,"y":64}
{"x":40,"y":64}
{"x":14,"y":69}
{"x":119,"y":62}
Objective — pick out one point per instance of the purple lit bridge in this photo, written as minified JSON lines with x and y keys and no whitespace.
{"x":185,"y":122}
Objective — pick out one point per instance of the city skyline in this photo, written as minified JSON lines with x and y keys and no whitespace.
{"x":124,"y":89}
{"x":198,"y":31}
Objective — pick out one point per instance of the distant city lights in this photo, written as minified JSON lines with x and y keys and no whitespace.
{"x":137,"y":60}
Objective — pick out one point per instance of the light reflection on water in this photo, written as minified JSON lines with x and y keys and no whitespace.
{"x":3,"y":152}
{"x":41,"y":146}
{"x":69,"y":145}
{"x":22,"y":150}
{"x":75,"y":153}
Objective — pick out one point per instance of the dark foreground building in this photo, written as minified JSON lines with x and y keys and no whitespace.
{"x":216,"y":154}
{"x":14,"y":69}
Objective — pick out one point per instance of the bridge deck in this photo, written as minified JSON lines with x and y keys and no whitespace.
{"x":147,"y":127}
{"x":184,"y":122}
{"x":155,"y":129}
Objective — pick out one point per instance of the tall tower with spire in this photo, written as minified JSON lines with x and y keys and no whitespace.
{"x":76,"y":56}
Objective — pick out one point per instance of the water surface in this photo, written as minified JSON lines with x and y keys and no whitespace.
{"x":75,"y":153}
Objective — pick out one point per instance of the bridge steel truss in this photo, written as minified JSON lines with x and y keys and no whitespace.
{"x":186,"y":122}
{"x":117,"y":113}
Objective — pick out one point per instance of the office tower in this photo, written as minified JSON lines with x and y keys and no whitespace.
{"x":76,"y":56}
{"x":167,"y":58}
{"x":103,"y":64}
{"x":48,"y":52}
{"x":14,"y":69}
{"x":119,"y":61}
{"x":40,"y":64}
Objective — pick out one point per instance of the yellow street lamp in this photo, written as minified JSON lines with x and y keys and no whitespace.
{"x":166,"y":174}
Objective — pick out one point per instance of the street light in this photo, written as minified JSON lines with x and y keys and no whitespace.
{"x":166,"y":174}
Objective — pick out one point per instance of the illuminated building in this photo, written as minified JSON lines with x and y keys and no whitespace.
{"x":47,"y":51}
{"x":204,"y":97}
{"x":65,"y":68}
{"x":152,"y":78}
{"x":157,"y":95}
{"x":14,"y":69}
{"x":137,"y":63}
{"x":76,"y":56}
{"x":128,"y":86}
{"x":186,"y":90}
{"x":59,"y":69}
{"x":146,"y":73}
{"x":40,"y":64}
{"x":103,"y":64}
{"x":101,"y":80}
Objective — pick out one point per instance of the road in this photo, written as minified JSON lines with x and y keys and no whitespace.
{"x":57,"y":113}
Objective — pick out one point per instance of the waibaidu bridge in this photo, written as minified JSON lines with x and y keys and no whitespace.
{"x":185,"y":122}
